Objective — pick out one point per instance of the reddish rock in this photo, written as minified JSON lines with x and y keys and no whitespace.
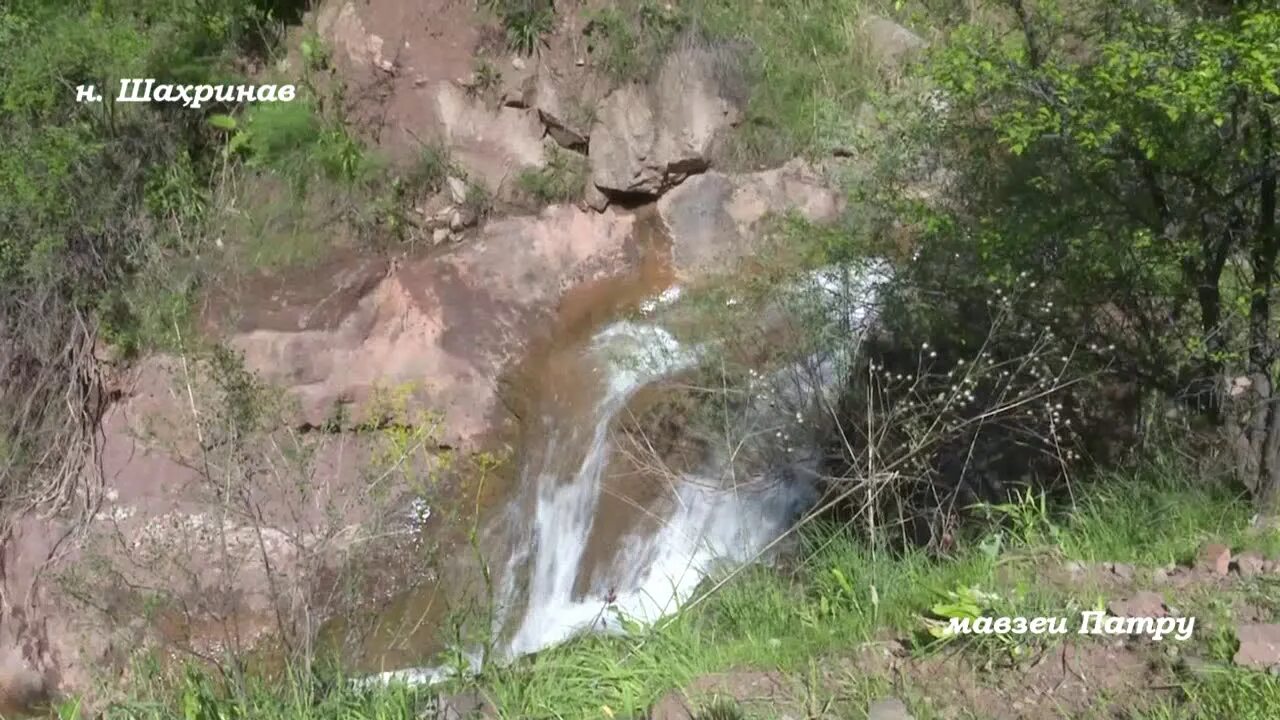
{"x":1259,"y":645}
{"x":443,"y":327}
{"x":1144,"y":604}
{"x":1250,"y":565}
{"x":1124,"y":571}
{"x":1215,"y":558}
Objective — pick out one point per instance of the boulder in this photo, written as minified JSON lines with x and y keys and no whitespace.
{"x":889,"y":44}
{"x":343,"y":29}
{"x":715,"y":219}
{"x":648,"y":139}
{"x":622,"y":146}
{"x":1124,"y":571}
{"x":1259,"y":645}
{"x":1250,"y":564}
{"x":1214,"y":558}
{"x":593,"y":198}
{"x":1143,"y":604}
{"x":565,"y":105}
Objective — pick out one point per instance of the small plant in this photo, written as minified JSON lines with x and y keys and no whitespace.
{"x":315,"y":53}
{"x":485,"y":77}
{"x":525,"y":21}
{"x":1026,"y":513}
{"x":429,"y":170}
{"x":562,"y":179}
{"x":478,"y":202}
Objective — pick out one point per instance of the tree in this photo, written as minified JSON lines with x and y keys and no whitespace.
{"x":1129,"y":162}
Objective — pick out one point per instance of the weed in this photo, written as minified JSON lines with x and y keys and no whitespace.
{"x":721,"y":709}
{"x":1026,"y":514}
{"x":315,"y":53}
{"x":485,"y":77}
{"x":525,"y":21}
{"x":563,"y":179}
{"x":430,"y":169}
{"x":478,"y":202}
{"x":630,"y":39}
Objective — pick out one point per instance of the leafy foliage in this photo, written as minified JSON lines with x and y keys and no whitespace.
{"x":1132,"y":180}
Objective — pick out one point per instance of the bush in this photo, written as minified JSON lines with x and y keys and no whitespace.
{"x":91,"y":194}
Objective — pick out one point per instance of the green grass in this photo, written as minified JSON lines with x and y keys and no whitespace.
{"x":563,"y":179}
{"x":845,"y":594}
{"x":525,"y":21}
{"x":1234,"y":694}
{"x":630,"y":38}
{"x":1160,"y":514}
{"x":811,"y":74}
{"x":842,"y":594}
{"x":194,"y":694}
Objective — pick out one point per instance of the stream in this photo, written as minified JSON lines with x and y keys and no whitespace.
{"x":597,"y":532}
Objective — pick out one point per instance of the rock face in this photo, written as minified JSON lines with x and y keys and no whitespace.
{"x":493,"y":144}
{"x":715,"y":219}
{"x":567,"y":112}
{"x":165,"y":531}
{"x":447,"y":325}
{"x":648,"y":139}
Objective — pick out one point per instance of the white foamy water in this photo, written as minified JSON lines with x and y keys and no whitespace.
{"x":540,"y":599}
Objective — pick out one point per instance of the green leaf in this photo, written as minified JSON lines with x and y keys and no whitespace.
{"x":222,"y":122}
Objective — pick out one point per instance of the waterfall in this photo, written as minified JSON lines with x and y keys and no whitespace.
{"x":540,"y":600}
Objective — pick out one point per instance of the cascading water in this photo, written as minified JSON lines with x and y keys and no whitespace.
{"x":542,"y":599}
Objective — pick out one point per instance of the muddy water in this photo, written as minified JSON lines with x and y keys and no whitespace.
{"x":554,"y":386}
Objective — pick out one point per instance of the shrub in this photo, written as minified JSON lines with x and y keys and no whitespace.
{"x":525,"y":21}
